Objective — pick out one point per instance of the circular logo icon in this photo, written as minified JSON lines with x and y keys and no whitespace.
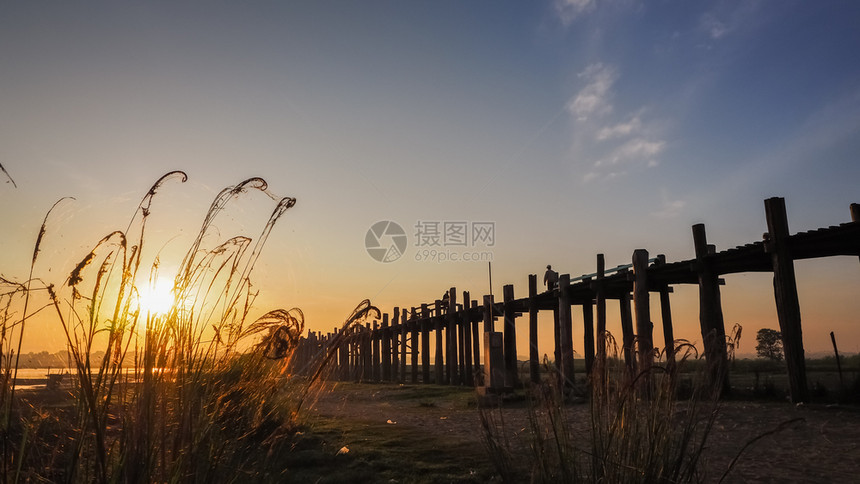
{"x":385,"y":241}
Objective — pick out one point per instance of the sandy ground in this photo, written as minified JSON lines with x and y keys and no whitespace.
{"x":798,"y":443}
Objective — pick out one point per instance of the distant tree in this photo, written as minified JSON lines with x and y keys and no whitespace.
{"x":769,"y":344}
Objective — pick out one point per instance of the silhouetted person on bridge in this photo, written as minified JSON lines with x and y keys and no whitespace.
{"x":550,"y":278}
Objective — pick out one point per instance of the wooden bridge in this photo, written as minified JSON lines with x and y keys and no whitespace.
{"x":380,"y":352}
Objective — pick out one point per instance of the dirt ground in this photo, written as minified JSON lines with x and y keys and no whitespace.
{"x":796,"y":443}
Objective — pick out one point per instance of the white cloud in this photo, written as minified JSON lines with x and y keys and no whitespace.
{"x":632,"y":126}
{"x":714,"y":28}
{"x":569,"y":10}
{"x":669,"y":208}
{"x":636,"y":150}
{"x":594,"y":97}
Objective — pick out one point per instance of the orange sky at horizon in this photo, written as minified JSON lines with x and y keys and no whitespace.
{"x":574,"y":128}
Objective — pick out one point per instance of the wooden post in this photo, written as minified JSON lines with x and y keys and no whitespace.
{"x":366,"y":353}
{"x":600,"y":303}
{"x":711,"y":315}
{"x":627,"y":336}
{"x":855,"y":212}
{"x":425,"y":344}
{"x":565,"y":329}
{"x":494,"y":360}
{"x":534,"y":357}
{"x":556,"y":333}
{"x":476,"y":344}
{"x":510,"y":335}
{"x":466,"y":349}
{"x":395,"y":346}
{"x":838,"y":363}
{"x":588,"y":331}
{"x":642,"y":308}
{"x":376,"y":340}
{"x":413,"y":324}
{"x":451,"y":339}
{"x":787,"y":302}
{"x":668,"y":329}
{"x":343,"y":353}
{"x":386,"y":349}
{"x":403,"y":337}
{"x":461,"y":341}
{"x":437,"y":328}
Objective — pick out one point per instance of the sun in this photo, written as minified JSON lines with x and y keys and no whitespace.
{"x":157,"y":298}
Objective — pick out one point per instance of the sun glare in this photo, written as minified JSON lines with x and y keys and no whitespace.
{"x":157,"y":298}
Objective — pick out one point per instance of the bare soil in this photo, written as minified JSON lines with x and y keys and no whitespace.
{"x":411,"y":433}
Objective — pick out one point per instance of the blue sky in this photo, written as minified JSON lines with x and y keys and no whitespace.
{"x":577,"y":127}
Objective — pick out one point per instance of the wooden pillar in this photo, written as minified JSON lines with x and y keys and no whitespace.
{"x":565,"y":329}
{"x":451,"y":339}
{"x":376,"y":342}
{"x":494,"y":359}
{"x":425,"y":344}
{"x":413,"y":324}
{"x":510,"y":335}
{"x":476,"y":342}
{"x":343,"y":353}
{"x":787,"y":302}
{"x":711,"y":315}
{"x":668,"y":329}
{"x":468,"y":370}
{"x":642,"y":309}
{"x":588,"y":331}
{"x":395,"y":345}
{"x":556,"y":334}
{"x":627,"y":336}
{"x":366,"y":363}
{"x":534,"y":357}
{"x":386,"y":349}
{"x":855,"y":212}
{"x":600,"y":308}
{"x":463,"y":346}
{"x":437,"y":328}
{"x":404,"y":333}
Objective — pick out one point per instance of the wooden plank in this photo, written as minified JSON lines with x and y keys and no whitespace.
{"x":787,"y":302}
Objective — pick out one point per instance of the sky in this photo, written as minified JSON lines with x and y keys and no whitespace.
{"x":562,"y":129}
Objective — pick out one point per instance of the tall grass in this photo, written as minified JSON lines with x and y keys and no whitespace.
{"x":199,"y":394}
{"x":634,"y":432}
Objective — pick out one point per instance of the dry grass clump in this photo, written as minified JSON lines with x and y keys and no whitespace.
{"x":196,"y":394}
{"x":636,"y":432}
